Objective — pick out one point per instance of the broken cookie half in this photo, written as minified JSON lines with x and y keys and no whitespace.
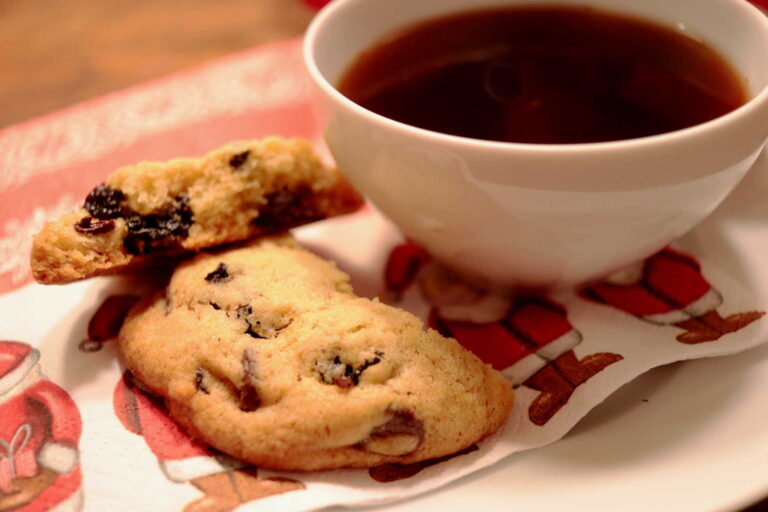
{"x":264,"y":352}
{"x":242,"y":190}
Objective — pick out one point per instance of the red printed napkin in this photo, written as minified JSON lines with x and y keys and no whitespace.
{"x":77,"y":433}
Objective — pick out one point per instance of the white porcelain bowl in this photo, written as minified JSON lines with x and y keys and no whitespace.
{"x":534,"y":214}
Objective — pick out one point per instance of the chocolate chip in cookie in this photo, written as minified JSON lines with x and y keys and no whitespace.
{"x":401,"y":434}
{"x":403,"y":422}
{"x":248,"y":393}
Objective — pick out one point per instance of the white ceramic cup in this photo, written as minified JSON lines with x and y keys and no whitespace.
{"x":536,"y":215}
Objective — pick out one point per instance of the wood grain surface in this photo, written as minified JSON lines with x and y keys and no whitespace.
{"x":55,"y":53}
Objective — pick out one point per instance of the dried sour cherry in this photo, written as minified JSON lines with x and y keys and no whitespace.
{"x":219,"y":275}
{"x":163,"y":229}
{"x":286,"y":208}
{"x":104,"y":202}
{"x":91,"y":226}
{"x":239,"y":159}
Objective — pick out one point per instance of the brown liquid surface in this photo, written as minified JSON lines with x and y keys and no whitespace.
{"x":543,"y":75}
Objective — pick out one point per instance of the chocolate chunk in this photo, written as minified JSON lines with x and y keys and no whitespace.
{"x":91,"y":226}
{"x":239,"y":159}
{"x":403,"y":422}
{"x":249,"y":399}
{"x":220,"y":275}
{"x":199,"y":384}
{"x":214,"y":305}
{"x":403,"y":433}
{"x":104,"y":202}
{"x":162,"y":230}
{"x":392,"y":472}
{"x":248,"y":392}
{"x":286,"y":208}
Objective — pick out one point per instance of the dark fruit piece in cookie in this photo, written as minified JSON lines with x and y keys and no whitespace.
{"x":93,"y":226}
{"x":285,"y":207}
{"x":239,"y":159}
{"x":248,"y":393}
{"x":200,"y":382}
{"x":164,"y":229}
{"x":219,"y":275}
{"x":104,"y":202}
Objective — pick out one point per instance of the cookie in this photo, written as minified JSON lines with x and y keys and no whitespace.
{"x":240,"y":191}
{"x":265,"y":353}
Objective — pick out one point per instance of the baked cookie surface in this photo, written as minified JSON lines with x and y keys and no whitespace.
{"x":242,"y":190}
{"x":264,"y":352}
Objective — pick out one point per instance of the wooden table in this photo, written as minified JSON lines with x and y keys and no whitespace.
{"x":54,"y":53}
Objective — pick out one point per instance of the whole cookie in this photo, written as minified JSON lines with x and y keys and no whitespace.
{"x":265,"y":353}
{"x":151,"y":209}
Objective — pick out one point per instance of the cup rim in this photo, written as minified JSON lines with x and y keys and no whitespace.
{"x":331,"y":9}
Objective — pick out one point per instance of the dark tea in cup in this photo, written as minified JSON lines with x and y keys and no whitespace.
{"x":550,"y":212}
{"x":547,"y":75}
